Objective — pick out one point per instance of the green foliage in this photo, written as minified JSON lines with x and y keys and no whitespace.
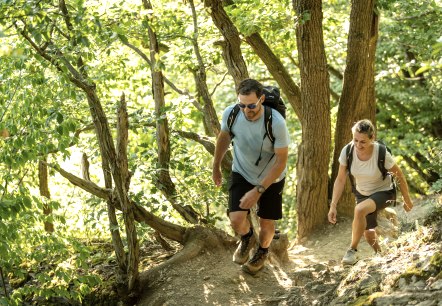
{"x":406,"y":92}
{"x":191,"y":168}
{"x":437,"y":186}
{"x":37,"y":265}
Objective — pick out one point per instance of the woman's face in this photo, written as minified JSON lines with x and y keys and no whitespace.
{"x":362,"y":142}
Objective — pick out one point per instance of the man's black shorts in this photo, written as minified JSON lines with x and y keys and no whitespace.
{"x":382,"y":199}
{"x":270,"y":203}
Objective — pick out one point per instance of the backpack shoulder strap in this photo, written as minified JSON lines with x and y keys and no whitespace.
{"x":349,"y":154}
{"x":268,"y":119}
{"x":231,"y":119}
{"x":381,"y":160}
{"x":269,"y":132}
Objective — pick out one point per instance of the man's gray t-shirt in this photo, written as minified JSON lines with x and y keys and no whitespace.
{"x":248,"y":141}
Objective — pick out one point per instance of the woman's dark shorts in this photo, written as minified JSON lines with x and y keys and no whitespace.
{"x":270,"y":203}
{"x":382,"y":199}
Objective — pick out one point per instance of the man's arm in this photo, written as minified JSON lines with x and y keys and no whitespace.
{"x":222,"y":145}
{"x":281,"y":155}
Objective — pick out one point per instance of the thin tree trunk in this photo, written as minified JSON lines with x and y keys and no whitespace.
{"x":211,"y":121}
{"x":44,"y":192}
{"x":208,"y":144}
{"x":231,"y":45}
{"x":278,"y":71}
{"x":164,"y":181}
{"x":113,"y":223}
{"x":108,"y":153}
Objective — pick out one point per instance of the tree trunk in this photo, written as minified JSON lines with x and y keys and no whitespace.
{"x":77,"y":75}
{"x":312,"y":167}
{"x":164,"y":181}
{"x":44,"y":192}
{"x":277,"y":70}
{"x":232,"y":43}
{"x":211,"y":122}
{"x":357,"y":99}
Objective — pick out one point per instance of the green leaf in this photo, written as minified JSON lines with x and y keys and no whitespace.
{"x":60,"y":118}
{"x":27,"y":202}
{"x":59,"y":130}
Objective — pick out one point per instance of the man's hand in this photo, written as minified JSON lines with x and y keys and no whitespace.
{"x":332,"y":214}
{"x":249,"y":199}
{"x":217,"y":176}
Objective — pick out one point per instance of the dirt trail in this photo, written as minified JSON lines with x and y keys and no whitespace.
{"x":213,"y":279}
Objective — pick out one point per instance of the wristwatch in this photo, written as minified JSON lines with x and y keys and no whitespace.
{"x":260,"y":188}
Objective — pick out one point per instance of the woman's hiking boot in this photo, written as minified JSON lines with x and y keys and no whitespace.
{"x":242,"y":251}
{"x":257,"y":262}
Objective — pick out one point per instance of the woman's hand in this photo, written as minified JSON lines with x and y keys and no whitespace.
{"x":332,"y":214}
{"x":408,"y":205}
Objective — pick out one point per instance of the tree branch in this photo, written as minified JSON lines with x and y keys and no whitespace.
{"x":82,"y":183}
{"x":167,"y":229}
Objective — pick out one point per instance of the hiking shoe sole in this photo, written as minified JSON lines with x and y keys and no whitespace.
{"x":246,"y":269}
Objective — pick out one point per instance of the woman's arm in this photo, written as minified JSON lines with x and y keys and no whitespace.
{"x":403,"y":186}
{"x":338,"y":188}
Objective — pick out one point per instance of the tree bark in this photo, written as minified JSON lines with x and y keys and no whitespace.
{"x":312,"y":167}
{"x":358,"y":98}
{"x":44,"y":192}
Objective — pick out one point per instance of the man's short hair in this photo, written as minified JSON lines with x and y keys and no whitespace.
{"x":247,"y":86}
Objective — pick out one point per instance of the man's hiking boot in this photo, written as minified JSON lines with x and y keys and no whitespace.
{"x":349,"y":257}
{"x":256,"y":263}
{"x":242,"y":251}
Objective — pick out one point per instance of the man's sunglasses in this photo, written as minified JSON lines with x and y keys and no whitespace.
{"x":250,"y":106}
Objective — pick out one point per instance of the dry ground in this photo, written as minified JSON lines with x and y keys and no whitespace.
{"x":213,"y":279}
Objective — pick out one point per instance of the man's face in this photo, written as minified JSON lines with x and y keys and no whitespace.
{"x":251,"y":105}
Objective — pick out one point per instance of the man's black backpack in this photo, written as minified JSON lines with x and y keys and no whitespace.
{"x":272,"y":100}
{"x":381,"y":160}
